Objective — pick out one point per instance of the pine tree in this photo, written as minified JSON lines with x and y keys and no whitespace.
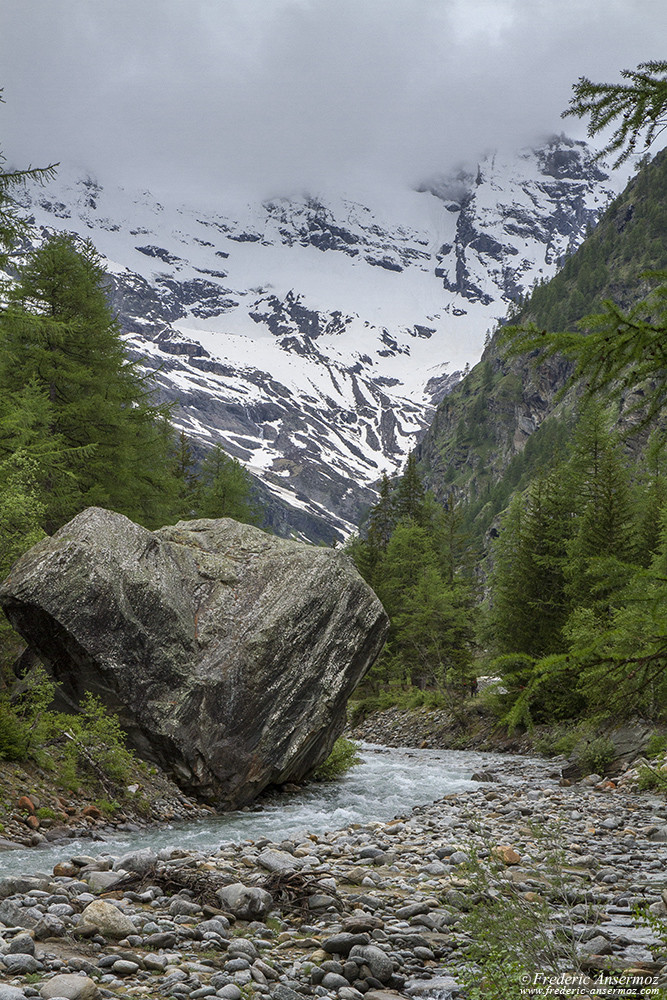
{"x":529,"y":602}
{"x":382,"y":517}
{"x":410,"y":493}
{"x":185,"y":474}
{"x":604,"y":541}
{"x":58,"y":335}
{"x":225,"y":489}
{"x":640,"y":104}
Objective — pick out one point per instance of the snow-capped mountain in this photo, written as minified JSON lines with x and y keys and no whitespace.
{"x":312,"y":336}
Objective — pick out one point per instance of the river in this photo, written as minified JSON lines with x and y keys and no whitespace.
{"x":389,"y":782}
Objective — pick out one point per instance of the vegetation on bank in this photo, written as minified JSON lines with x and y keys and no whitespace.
{"x":83,"y":754}
{"x":569,"y":546}
{"x":344,"y":756}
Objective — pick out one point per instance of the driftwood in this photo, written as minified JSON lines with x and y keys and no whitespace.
{"x":291,"y":891}
{"x":203,"y":885}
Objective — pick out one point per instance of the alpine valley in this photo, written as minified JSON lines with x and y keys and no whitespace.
{"x":313,"y":336}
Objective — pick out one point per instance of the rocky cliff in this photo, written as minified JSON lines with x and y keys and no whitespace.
{"x":228,"y":654}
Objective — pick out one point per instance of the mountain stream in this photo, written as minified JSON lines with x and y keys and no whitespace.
{"x":389,"y":782}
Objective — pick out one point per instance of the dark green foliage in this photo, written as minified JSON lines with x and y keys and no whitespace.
{"x":530,"y":605}
{"x":574,"y":614}
{"x":60,"y":350}
{"x":344,"y":755}
{"x":224,"y":489}
{"x":92,"y":745}
{"x":412,"y":556}
{"x":640,"y":104}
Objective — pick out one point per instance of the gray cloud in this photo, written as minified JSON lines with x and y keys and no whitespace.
{"x":276,"y":94}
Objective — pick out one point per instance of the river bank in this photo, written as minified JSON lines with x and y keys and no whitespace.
{"x":369,"y":907}
{"x":35,"y":807}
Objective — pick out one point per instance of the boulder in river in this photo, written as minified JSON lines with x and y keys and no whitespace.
{"x":228,"y":654}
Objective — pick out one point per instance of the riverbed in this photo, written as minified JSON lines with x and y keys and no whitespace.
{"x":378,"y":903}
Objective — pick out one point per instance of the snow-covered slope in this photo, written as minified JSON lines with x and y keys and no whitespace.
{"x":312,"y":336}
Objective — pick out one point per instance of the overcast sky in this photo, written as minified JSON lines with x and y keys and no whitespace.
{"x":276,"y":95}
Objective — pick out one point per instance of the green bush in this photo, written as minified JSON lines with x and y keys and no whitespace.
{"x":595,"y":756}
{"x":656,"y":745}
{"x":651,"y":778}
{"x":14,"y":734}
{"x":93,"y":744}
{"x":343,"y":756}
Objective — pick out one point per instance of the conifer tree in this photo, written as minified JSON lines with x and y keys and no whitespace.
{"x":382,"y":517}
{"x":58,"y":335}
{"x":225,"y":489}
{"x":410,"y":493}
{"x":529,"y":602}
{"x":640,"y":104}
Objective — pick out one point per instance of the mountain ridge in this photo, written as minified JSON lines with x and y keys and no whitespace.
{"x":313,"y":340}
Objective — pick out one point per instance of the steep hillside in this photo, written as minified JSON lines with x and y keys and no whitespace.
{"x":507,"y":417}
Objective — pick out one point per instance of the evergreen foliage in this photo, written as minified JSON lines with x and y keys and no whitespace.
{"x":579,"y":586}
{"x":60,"y":344}
{"x":610,"y":651}
{"x":224,"y":489}
{"x":412,"y":555}
{"x":640,"y":104}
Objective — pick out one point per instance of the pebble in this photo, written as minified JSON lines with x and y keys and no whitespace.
{"x":383,"y":912}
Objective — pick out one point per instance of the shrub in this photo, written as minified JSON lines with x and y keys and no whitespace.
{"x":343,"y":756}
{"x":595,"y":756}
{"x":14,"y":734}
{"x":656,"y":745}
{"x":45,"y":813}
{"x":512,"y":937}
{"x":95,"y":744}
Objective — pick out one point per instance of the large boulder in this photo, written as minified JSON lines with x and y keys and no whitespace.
{"x":227,"y":653}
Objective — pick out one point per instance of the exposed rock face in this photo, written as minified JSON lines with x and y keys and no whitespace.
{"x":228,"y":654}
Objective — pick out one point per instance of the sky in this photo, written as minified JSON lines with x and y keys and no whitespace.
{"x":268,"y":97}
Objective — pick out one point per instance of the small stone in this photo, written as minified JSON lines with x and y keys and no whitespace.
{"x":332,"y":981}
{"x":377,"y":961}
{"x":65,"y":869}
{"x":48,"y":926}
{"x":245,"y":902}
{"x":11,"y":993}
{"x":506,"y":854}
{"x":92,"y":812}
{"x":22,"y":944}
{"x":21,"y":964}
{"x":124,"y":968}
{"x":232,"y":992}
